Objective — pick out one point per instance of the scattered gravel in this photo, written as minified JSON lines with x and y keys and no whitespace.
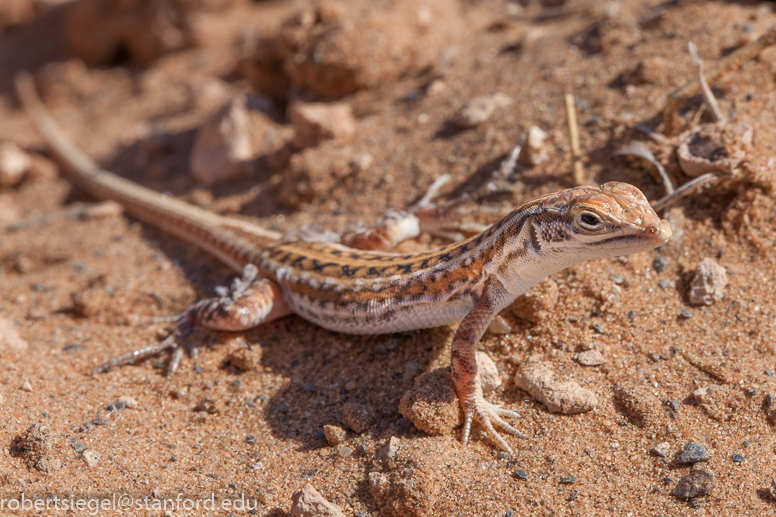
{"x":487,"y":372}
{"x":590,"y":358}
{"x":10,"y":337}
{"x":535,"y":151}
{"x":696,"y":484}
{"x":522,"y":474}
{"x":344,"y":451}
{"x":499,"y":326}
{"x":315,"y":122}
{"x":35,"y":446}
{"x":334,"y":434}
{"x":709,"y":283}
{"x":91,"y":457}
{"x":432,"y":405}
{"x":480,"y":109}
{"x":538,"y":379}
{"x":662,"y":449}
{"x":660,"y":264}
{"x":693,"y":453}
{"x":308,"y":502}
{"x":357,"y":417}
{"x":14,"y":164}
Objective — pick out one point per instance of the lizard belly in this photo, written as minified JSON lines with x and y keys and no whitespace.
{"x":378,"y":317}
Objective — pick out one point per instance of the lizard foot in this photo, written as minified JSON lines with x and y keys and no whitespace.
{"x":486,"y":414}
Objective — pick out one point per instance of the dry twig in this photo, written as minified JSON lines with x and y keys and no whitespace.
{"x":640,"y":150}
{"x":571,"y":116}
{"x":683,"y":191}
{"x":708,"y":96}
{"x":691,"y":87}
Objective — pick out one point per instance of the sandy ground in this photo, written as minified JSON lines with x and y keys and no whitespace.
{"x":80,"y":291}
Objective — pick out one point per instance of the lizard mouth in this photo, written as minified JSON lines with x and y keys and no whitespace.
{"x":651,"y":237}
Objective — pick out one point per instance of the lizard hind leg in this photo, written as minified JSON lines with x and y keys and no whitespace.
{"x":251,"y":301}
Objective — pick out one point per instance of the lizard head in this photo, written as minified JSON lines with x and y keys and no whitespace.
{"x":615,"y":219}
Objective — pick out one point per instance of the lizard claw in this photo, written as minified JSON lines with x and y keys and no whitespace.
{"x":487,"y":414}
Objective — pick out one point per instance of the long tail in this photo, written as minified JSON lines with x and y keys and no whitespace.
{"x":233,"y":241}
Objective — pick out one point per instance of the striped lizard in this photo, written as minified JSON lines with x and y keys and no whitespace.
{"x":360,"y":291}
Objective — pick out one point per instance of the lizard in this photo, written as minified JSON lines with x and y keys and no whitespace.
{"x":360,"y":291}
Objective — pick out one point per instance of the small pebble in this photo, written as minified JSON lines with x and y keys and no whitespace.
{"x":738,"y":458}
{"x":769,"y":373}
{"x":668,"y":480}
{"x":675,"y":405}
{"x":344,"y":451}
{"x":503,"y":455}
{"x":334,"y":434}
{"x":390,"y":448}
{"x":590,"y":358}
{"x":665,"y":284}
{"x":660,"y":264}
{"x":752,"y":392}
{"x":662,"y":449}
{"x":100,"y":421}
{"x":746,"y":443}
{"x":568,"y":480}
{"x":598,"y":328}
{"x":479,"y":109}
{"x":91,"y":457}
{"x":250,"y":439}
{"x":115,"y":406}
{"x":693,"y":453}
{"x":631,"y":315}
{"x":709,"y":283}
{"x":499,"y":326}
{"x":521,"y":474}
{"x":617,"y":279}
{"x":686,"y":313}
{"x":573,"y":495}
{"x":79,"y":447}
{"x":27,"y":386}
{"x":197,"y":368}
{"x":128,"y":402}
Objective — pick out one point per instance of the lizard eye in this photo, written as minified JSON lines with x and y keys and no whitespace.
{"x":589,"y":221}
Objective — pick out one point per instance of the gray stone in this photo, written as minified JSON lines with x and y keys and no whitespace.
{"x":693,"y":453}
{"x":696,"y":484}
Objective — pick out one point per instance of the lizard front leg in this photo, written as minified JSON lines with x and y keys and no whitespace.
{"x":250,"y":301}
{"x":464,"y":366}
